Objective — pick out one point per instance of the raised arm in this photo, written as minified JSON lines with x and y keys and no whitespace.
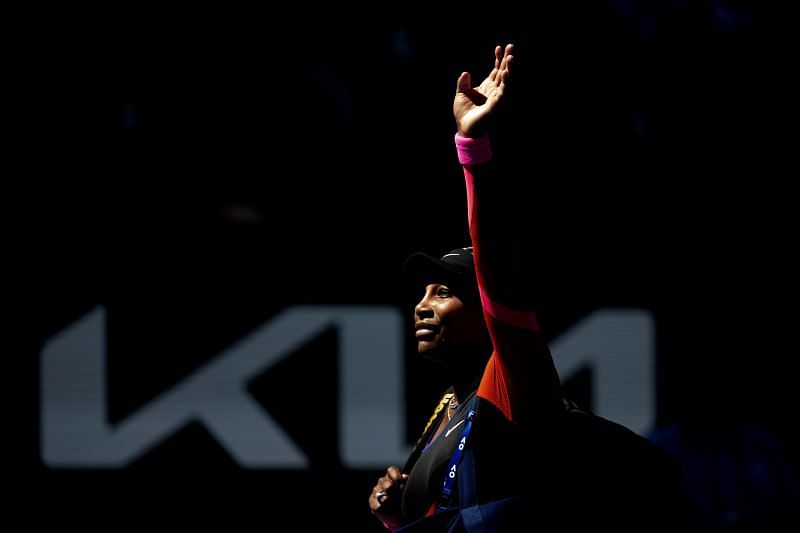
{"x":520,"y":378}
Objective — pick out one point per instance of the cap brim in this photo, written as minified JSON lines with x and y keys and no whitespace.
{"x":422,"y":268}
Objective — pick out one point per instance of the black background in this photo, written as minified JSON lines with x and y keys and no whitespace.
{"x":198,"y":172}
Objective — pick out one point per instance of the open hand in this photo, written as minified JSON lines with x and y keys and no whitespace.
{"x":473,"y":105}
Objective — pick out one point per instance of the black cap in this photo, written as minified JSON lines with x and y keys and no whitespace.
{"x":456,"y":267}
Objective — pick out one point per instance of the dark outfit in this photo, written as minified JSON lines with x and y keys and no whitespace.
{"x":576,"y":469}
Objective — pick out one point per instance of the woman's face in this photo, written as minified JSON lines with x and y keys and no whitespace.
{"x":442,"y":319}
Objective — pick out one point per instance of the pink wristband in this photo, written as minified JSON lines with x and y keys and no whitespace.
{"x":473,"y":150}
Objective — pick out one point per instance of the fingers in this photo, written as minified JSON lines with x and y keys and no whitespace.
{"x":395,"y":474}
{"x":381,"y":498}
{"x":505,"y":72}
{"x":505,"y":63}
{"x":502,"y":62}
{"x":389,"y":487}
{"x":498,"y":59}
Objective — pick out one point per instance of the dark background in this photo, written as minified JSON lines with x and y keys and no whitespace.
{"x":198,"y":172}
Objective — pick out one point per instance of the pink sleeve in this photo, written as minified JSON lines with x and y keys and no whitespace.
{"x":520,"y":378}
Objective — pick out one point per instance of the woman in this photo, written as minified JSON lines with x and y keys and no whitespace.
{"x":504,"y":414}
